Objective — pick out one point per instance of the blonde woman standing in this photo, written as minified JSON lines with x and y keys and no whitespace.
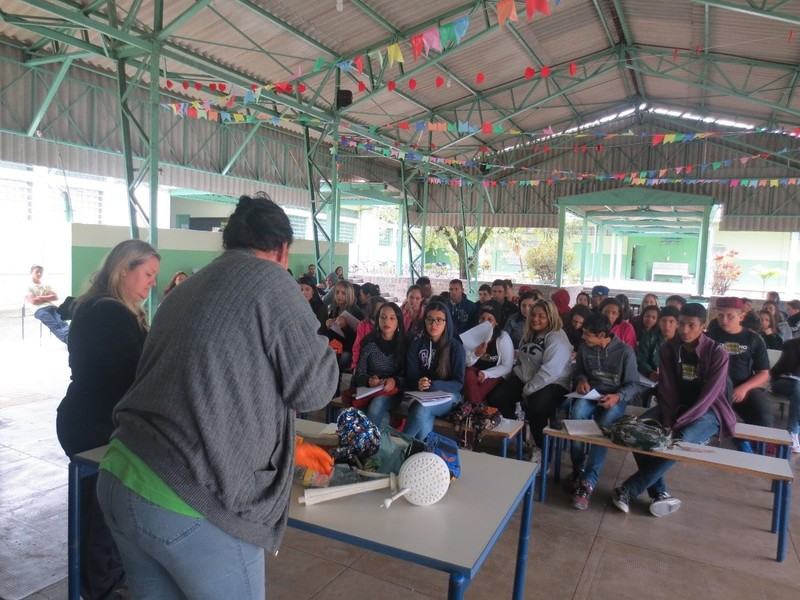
{"x":105,"y":342}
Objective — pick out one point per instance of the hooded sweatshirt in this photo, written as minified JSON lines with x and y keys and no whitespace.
{"x":712,"y":370}
{"x":545,"y":360}
{"x":421,"y":361}
{"x":609,"y":370}
{"x":561,"y":299}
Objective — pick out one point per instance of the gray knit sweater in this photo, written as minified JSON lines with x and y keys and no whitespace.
{"x":231,"y":354}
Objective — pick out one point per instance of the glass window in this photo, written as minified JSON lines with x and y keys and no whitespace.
{"x":16,"y":198}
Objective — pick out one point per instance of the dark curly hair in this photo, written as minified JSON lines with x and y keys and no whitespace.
{"x":257,"y":223}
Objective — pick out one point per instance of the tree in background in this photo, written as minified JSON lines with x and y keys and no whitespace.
{"x":726,"y":272}
{"x":542,"y":258}
{"x":451,"y":240}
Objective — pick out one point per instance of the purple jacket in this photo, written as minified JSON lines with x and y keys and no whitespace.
{"x":712,"y":369}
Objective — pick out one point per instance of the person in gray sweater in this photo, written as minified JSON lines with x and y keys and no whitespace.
{"x":606,"y":364}
{"x":196,"y":482}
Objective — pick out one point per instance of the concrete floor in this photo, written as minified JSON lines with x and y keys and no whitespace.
{"x":718,"y":546}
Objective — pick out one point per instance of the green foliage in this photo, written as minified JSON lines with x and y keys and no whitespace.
{"x":542,"y":258}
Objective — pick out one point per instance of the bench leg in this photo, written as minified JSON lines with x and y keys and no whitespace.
{"x":543,"y":468}
{"x":520,"y":443}
{"x":504,"y":448}
{"x":783,"y":525}
{"x":557,"y":460}
{"x":457,"y":587}
{"x":73,"y":533}
{"x":777,"y":505}
{"x":522,"y":546}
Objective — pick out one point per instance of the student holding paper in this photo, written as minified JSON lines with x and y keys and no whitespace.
{"x":606,"y":364}
{"x":435,"y":363}
{"x":338,"y":327}
{"x":490,"y":362}
{"x":692,"y":402}
{"x":382,"y":362}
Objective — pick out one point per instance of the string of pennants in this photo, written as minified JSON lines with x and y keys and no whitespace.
{"x":759,"y":182}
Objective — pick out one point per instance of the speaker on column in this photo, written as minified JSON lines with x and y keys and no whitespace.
{"x":343,"y":98}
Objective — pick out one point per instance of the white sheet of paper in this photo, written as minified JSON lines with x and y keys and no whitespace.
{"x":352,"y":322}
{"x":593,"y":394}
{"x":582,"y":427}
{"x":336,"y":329}
{"x":646,"y":381}
{"x":474,"y":337}
{"x":428,"y":398}
{"x":363,"y":392}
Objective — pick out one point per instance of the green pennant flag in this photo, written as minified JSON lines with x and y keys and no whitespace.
{"x":498,"y":128}
{"x":717,"y":165}
{"x":319,"y":64}
{"x":447,"y":35}
{"x":452,"y":128}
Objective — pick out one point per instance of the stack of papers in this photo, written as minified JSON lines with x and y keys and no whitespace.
{"x":590,"y":395}
{"x":582,"y":427}
{"x":363,"y":392}
{"x":428,"y":398}
{"x":480,"y":334}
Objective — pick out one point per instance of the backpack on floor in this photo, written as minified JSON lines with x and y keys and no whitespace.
{"x":477,"y":418}
{"x":643,"y":434}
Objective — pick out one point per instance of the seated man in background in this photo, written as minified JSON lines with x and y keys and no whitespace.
{"x":484,"y":293}
{"x":463,"y":310}
{"x":499,"y":291}
{"x":608,"y":365}
{"x":748,"y":370}
{"x":41,"y":300}
{"x":599,"y":294}
{"x":692,"y":402}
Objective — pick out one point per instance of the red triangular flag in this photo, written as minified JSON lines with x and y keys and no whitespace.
{"x":530,"y":8}
{"x":545,"y":72}
{"x":480,"y":77}
{"x":487,"y":128}
{"x":439,"y":81}
{"x":412,"y":84}
{"x":301,"y":87}
{"x":358,"y":63}
{"x":573,"y":68}
{"x":543,"y":7}
{"x":222,"y":87}
{"x":362,"y":87}
{"x":169,"y":84}
{"x":213,"y":87}
{"x":185,"y":85}
{"x":530,"y":73}
{"x":391,"y":85}
{"x":403,"y":125}
{"x":657,"y":139}
{"x":417,"y":45}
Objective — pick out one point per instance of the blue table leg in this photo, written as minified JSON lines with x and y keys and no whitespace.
{"x":457,"y":587}
{"x":520,"y":443}
{"x":73,"y":532}
{"x":504,"y":448}
{"x":777,"y":505}
{"x":557,"y":460}
{"x":543,"y":468}
{"x":783,"y":525}
{"x":522,"y":547}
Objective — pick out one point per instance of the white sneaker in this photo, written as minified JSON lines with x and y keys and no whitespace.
{"x":795,"y":443}
{"x":536,"y":455}
{"x":664,"y":504}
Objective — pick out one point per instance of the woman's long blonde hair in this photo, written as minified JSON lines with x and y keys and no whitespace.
{"x":125,"y":256}
{"x":552,"y":317}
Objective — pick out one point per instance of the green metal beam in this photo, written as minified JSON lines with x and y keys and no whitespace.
{"x":181,"y":19}
{"x":642,"y":213}
{"x":56,"y":58}
{"x":702,"y":255}
{"x":562,"y":225}
{"x":751,"y":11}
{"x":48,"y":99}
{"x":235,"y":156}
{"x":627,"y":42}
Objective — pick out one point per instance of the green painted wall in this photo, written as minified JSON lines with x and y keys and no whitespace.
{"x":650,"y":249}
{"x":298,"y":263}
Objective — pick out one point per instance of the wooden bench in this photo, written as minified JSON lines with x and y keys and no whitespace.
{"x":670,"y":269}
{"x":508,"y":429}
{"x":732,"y":461}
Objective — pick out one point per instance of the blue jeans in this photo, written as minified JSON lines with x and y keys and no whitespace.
{"x":650,"y":475}
{"x":53,"y":321}
{"x":590,"y":409}
{"x":421,"y":418}
{"x":171,"y":556}
{"x":790,"y":388}
{"x":380,"y":407}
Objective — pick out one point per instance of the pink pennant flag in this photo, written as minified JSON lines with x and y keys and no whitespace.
{"x":432,"y":40}
{"x":678,"y":170}
{"x":744,"y":160}
{"x":662,"y":173}
{"x":734,"y":183}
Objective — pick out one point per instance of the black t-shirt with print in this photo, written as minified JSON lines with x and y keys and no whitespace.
{"x":748,"y":353}
{"x":689,"y":383}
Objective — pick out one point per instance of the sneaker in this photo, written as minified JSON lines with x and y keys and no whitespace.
{"x":580,"y":500}
{"x":621,"y":499}
{"x":664,"y":504}
{"x":536,"y":455}
{"x":795,"y":443}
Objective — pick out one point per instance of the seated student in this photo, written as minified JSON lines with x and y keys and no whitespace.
{"x":41,"y":299}
{"x":692,"y":402}
{"x":424,"y":284}
{"x":542,"y":377}
{"x":771,"y":337}
{"x":365,"y":292}
{"x":308,"y":287}
{"x":515,"y":326}
{"x":677,"y":301}
{"x":382,"y":361}
{"x":412,"y":312}
{"x":490,"y":362}
{"x":583,"y":299}
{"x":344,"y":299}
{"x":606,"y":364}
{"x":748,"y":369}
{"x":311,"y":272}
{"x":507,"y":309}
{"x":775,"y":298}
{"x":366,"y":326}
{"x":573,"y":326}
{"x":621,"y":328}
{"x":648,"y":350}
{"x":648,"y":343}
{"x":434,"y":362}
{"x":786,"y":382}
{"x":510,"y":291}
{"x":647,"y":300}
{"x":625,"y":307}
{"x":463,"y":309}
{"x":599,"y":295}
{"x":561,"y":299}
{"x":782,"y":328}
{"x":176,"y":280}
{"x":484,"y":293}
{"x":793,"y":310}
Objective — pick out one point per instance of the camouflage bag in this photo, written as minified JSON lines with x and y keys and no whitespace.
{"x":642,"y":434}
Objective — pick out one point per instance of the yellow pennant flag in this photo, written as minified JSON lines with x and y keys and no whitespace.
{"x":395,"y":54}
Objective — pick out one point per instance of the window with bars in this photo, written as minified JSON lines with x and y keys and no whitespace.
{"x":386,"y":237}
{"x":87,"y":206}
{"x":16,"y":200}
{"x":298,"y":224}
{"x":347,"y":232}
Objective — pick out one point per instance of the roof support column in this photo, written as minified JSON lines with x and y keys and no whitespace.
{"x":51,"y":94}
{"x":562,"y":222}
{"x":702,"y":251}
{"x":154,"y":155}
{"x":584,"y":248}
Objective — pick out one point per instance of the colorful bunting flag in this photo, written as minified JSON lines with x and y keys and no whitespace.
{"x":417,"y":46}
{"x":358,"y":62}
{"x":432,"y":40}
{"x":506,"y":11}
{"x":461,"y":26}
{"x":447,"y":35}
{"x":395,"y":54}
